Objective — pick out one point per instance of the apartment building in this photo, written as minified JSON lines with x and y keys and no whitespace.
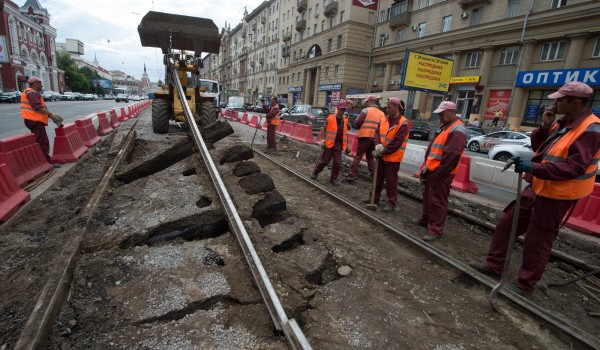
{"x":507,"y":54}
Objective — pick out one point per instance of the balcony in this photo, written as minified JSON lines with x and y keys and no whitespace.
{"x":400,"y":15}
{"x":466,"y":3}
{"x":301,"y":5}
{"x":253,"y":26}
{"x":244,"y":52}
{"x":252,"y":63}
{"x":286,"y":37}
{"x":331,"y":9}
{"x":261,"y":60}
{"x":263,"y":19}
{"x":300,"y":25}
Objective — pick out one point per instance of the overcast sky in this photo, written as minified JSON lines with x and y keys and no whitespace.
{"x":108,"y":28}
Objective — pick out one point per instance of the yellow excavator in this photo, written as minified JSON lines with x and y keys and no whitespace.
{"x":182,"y":40}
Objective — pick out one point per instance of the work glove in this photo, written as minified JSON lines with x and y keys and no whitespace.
{"x":522,"y":165}
{"x":57,"y":119}
{"x":323,"y":143}
{"x":423,"y":176}
{"x":378,"y":152}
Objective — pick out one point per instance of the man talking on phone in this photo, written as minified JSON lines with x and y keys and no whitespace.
{"x":562,"y":171}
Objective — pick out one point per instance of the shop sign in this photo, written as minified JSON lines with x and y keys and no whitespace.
{"x":426,"y":72}
{"x":330,"y":87}
{"x":558,"y":77}
{"x":295,"y":89}
{"x":473,"y":79}
{"x":368,"y":4}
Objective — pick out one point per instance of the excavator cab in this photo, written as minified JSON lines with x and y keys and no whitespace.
{"x":182,"y":40}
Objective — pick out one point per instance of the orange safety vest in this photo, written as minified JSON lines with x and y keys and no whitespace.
{"x":434,"y":159}
{"x":276,"y":119}
{"x":397,"y":156}
{"x":374,"y":116}
{"x":331,"y":132}
{"x":574,"y":188}
{"x":27,"y":112}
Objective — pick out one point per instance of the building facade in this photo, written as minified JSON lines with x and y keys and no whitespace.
{"x":28,"y":44}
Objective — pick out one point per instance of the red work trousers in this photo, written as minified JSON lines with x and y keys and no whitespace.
{"x":271,"y":143}
{"x":387,"y":172}
{"x":365,"y":147}
{"x":39,"y":129}
{"x":334,"y":153}
{"x":539,"y":220}
{"x":435,"y":202}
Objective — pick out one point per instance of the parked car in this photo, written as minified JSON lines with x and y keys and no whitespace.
{"x":109,"y":97}
{"x":420,"y":131}
{"x":307,"y":114}
{"x":473,"y":131}
{"x":68,"y":96}
{"x":10,"y":96}
{"x":483,"y":143}
{"x":57,"y":96}
{"x":236,"y":103}
{"x":88,"y":97}
{"x":49,"y":96}
{"x":122,"y":98}
{"x":504,"y":152}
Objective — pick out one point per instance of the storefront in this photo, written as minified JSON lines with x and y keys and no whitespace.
{"x":333,"y":93}
{"x":467,"y":100}
{"x":296,"y":93}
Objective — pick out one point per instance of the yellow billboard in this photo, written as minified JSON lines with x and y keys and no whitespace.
{"x":426,"y":72}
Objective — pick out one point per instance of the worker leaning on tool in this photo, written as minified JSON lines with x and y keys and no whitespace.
{"x":273,"y":120}
{"x":35,"y":115}
{"x":561,"y":171}
{"x":335,"y":141}
{"x":393,"y":130}
{"x":441,"y":164}
{"x":367,"y":122}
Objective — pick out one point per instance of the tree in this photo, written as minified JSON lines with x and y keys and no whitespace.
{"x":76,"y":79}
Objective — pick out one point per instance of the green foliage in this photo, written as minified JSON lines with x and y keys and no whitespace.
{"x":76,"y":79}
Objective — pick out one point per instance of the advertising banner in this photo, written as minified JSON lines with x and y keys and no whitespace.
{"x":3,"y":50}
{"x":498,"y":102}
{"x":368,"y":4}
{"x":559,"y":77}
{"x":426,"y":72}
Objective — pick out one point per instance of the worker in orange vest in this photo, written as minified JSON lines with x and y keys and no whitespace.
{"x":441,"y":163}
{"x":273,"y":120}
{"x":393,"y":130}
{"x":367,"y":122}
{"x":335,"y":141}
{"x":562,"y":170}
{"x":35,"y":114}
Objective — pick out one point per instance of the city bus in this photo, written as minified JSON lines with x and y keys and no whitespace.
{"x":118,"y":90}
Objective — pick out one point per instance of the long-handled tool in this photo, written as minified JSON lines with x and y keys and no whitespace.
{"x":255,"y":131}
{"x":574,"y":279}
{"x":511,"y":241}
{"x":372,"y":205}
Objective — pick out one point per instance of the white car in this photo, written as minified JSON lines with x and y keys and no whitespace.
{"x":504,"y":152}
{"x":485,"y":142}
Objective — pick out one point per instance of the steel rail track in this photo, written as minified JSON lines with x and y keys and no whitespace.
{"x":560,"y":324}
{"x":289,"y":327}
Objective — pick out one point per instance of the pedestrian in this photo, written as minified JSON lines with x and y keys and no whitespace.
{"x":390,"y":149}
{"x":476,"y":123}
{"x":441,"y":163}
{"x":497,"y":117}
{"x":561,"y":171}
{"x":367,"y":122}
{"x":335,"y":141}
{"x":35,"y":114}
{"x":273,"y":121}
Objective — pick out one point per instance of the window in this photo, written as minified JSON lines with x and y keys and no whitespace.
{"x":307,"y":32}
{"x":337,"y":69}
{"x":400,"y":35}
{"x":508,"y":55}
{"x":398,"y":68}
{"x":446,"y":24}
{"x":380,"y":71}
{"x":327,"y":71}
{"x":514,"y":8}
{"x":381,"y":16}
{"x":596,"y":52}
{"x":476,"y":16}
{"x":473,"y":59}
{"x":425,"y":3}
{"x":553,"y":51}
{"x":381,"y":40}
{"x":558,"y":3}
{"x":342,"y":16}
{"x":316,"y":9}
{"x":329,"y":44}
{"x":339,"y":42}
{"x":421,"y":30}
{"x":332,"y":22}
{"x":309,"y":13}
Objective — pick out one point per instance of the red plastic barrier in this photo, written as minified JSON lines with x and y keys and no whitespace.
{"x":24,"y":158}
{"x":265,"y":124}
{"x":461,"y":180}
{"x":68,"y":147}
{"x":125,"y":115}
{"x":303,"y":133}
{"x":87,"y":132}
{"x":352,"y":143}
{"x":221,"y":112}
{"x":253,"y":121}
{"x":245,"y":119}
{"x":11,"y":195}
{"x":585,"y":216}
{"x":285,"y":128}
{"x":282,"y":124}
{"x":235,"y":116}
{"x":104,"y":127}
{"x":114,"y":120}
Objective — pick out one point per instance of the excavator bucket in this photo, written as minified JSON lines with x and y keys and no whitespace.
{"x":165,"y":30}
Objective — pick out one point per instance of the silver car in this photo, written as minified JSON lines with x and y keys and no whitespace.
{"x":504,"y":152}
{"x":485,"y":142}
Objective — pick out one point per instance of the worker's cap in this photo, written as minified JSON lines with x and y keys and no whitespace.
{"x":396,"y":101}
{"x":342,"y":105}
{"x":574,"y":89}
{"x":349,"y":103}
{"x":444,"y":106}
{"x":33,"y":80}
{"x":370,"y":97}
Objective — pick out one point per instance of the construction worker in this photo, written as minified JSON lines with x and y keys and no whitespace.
{"x":561,"y":171}
{"x":367,"y":122}
{"x":35,"y":114}
{"x":273,"y":121}
{"x":390,"y":150}
{"x":441,"y":163}
{"x":335,"y":141}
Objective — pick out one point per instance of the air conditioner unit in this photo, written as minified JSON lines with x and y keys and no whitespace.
{"x":375,"y":83}
{"x":414,"y":28}
{"x":464,"y":15}
{"x":391,"y":82}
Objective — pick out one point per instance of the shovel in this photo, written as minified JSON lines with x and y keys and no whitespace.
{"x":372,"y":205}
{"x":511,"y":241}
{"x":255,"y":131}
